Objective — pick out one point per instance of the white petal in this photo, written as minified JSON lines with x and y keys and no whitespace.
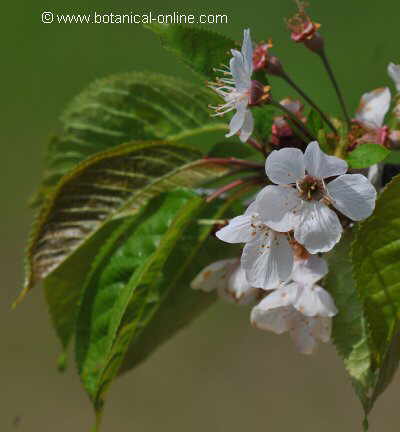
{"x":319,"y":229}
{"x":239,"y":72}
{"x":309,"y":271}
{"x":284,"y":295}
{"x":373,"y":108}
{"x":214,"y":276}
{"x":279,"y":207}
{"x":321,"y":328}
{"x":320,"y":165}
{"x":236,"y":123}
{"x":353,"y":195}
{"x":315,"y":301}
{"x":303,"y":337}
{"x":239,"y":230}
{"x":394,"y":73}
{"x":294,"y":106}
{"x":238,"y":289}
{"x":278,"y":320}
{"x":247,"y":51}
{"x":285,"y":166}
{"x":268,"y":260}
{"x":248,"y":126}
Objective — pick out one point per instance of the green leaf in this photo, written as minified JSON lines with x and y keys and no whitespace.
{"x":200,"y":49}
{"x":136,"y":289}
{"x":263,"y":121}
{"x":127,"y":107}
{"x":376,"y":269}
{"x":350,"y":332}
{"x":393,"y":158}
{"x":113,"y":184}
{"x":315,"y":122}
{"x":366,"y":155}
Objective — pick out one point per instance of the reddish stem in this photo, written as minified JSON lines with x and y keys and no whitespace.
{"x":231,"y":186}
{"x":234,"y":161}
{"x":255,"y":144}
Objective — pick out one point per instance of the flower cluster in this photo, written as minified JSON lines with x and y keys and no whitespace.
{"x":309,"y":196}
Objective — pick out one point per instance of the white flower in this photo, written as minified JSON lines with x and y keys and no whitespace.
{"x":267,"y":256}
{"x":228,"y":279}
{"x":300,"y":307}
{"x":394,"y":73}
{"x":301,"y":199}
{"x":373,"y":108}
{"x":237,"y":90}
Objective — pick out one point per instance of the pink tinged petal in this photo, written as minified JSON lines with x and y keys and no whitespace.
{"x":238,"y":289}
{"x":320,"y":165}
{"x":302,"y":336}
{"x":267,"y":259}
{"x":236,"y":123}
{"x":214,"y":276}
{"x":315,"y":301}
{"x":394,"y":73}
{"x":279,"y":207}
{"x":247,"y":51}
{"x":247,"y":127}
{"x":277,"y":320}
{"x":319,"y":229}
{"x":309,"y":271}
{"x":373,"y":108}
{"x":353,"y":195}
{"x":239,"y":230}
{"x":285,"y":166}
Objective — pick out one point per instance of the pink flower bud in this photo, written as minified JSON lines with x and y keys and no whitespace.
{"x":301,"y":26}
{"x":260,"y":55}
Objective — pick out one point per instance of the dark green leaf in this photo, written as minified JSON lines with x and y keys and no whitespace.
{"x":110,"y":185}
{"x":393,"y":158}
{"x":127,"y":107}
{"x":376,"y":269}
{"x":366,"y":155}
{"x":200,"y":49}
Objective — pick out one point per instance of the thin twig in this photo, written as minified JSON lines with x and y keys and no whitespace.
{"x":336,"y":86}
{"x":309,"y":101}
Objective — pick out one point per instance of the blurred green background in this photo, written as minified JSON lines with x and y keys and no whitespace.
{"x":219,"y":374}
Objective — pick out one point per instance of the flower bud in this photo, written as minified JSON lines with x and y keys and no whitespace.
{"x":275,"y":67}
{"x":261,"y":57}
{"x":304,"y":30}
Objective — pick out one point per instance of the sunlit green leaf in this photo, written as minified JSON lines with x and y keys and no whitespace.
{"x":376,"y":269}
{"x":136,"y":296}
{"x":366,"y":155}
{"x":350,"y":330}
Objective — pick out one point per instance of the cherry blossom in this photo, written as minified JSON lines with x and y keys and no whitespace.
{"x":302,"y":197}
{"x":237,"y":90}
{"x":228,"y":279}
{"x":267,"y":256}
{"x":371,"y":114}
{"x":394,"y":73}
{"x":299,"y":306}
